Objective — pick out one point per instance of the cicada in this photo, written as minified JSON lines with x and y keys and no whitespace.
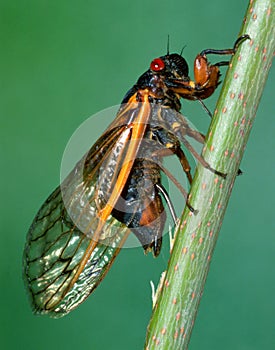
{"x":116,"y":188}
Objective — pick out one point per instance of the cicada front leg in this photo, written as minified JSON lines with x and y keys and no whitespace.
{"x":207,"y":75}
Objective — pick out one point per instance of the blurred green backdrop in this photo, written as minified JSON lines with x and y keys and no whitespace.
{"x":62,"y":62}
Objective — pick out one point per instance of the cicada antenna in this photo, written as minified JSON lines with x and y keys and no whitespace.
{"x":182,"y":49}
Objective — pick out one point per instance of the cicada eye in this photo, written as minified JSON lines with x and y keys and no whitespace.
{"x":157,"y":65}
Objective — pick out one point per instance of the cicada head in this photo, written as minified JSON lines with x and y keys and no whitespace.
{"x":172,"y":66}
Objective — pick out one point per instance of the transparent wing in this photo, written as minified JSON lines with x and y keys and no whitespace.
{"x":63,"y":230}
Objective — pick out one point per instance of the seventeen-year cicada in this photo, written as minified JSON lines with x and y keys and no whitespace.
{"x":116,"y":187}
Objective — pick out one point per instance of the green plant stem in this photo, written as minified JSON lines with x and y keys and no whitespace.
{"x":176,"y":308}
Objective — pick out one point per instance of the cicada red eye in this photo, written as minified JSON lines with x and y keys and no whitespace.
{"x":157,"y":65}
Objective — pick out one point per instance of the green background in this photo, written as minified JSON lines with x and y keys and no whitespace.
{"x":64,"y":61}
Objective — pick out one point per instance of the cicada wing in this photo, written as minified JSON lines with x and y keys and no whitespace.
{"x":62,"y":232}
{"x":70,"y":246}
